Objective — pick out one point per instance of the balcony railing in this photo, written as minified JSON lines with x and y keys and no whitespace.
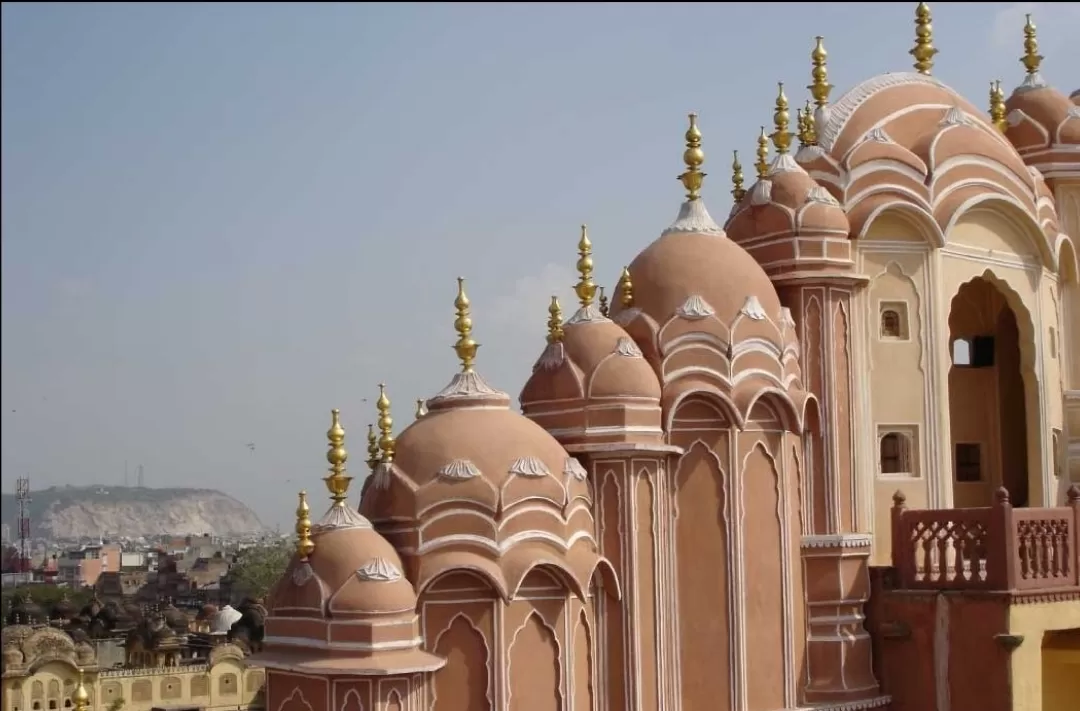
{"x":993,"y":548}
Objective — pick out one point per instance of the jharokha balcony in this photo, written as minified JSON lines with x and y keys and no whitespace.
{"x":995,"y":548}
{"x":993,"y":589}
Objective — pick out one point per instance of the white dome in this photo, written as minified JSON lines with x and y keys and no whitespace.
{"x":223,"y":621}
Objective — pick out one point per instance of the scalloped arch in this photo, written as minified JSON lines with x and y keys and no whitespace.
{"x":918,"y":218}
{"x":1007,"y":208}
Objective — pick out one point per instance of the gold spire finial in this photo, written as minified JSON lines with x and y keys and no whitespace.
{"x":372,"y":448}
{"x":420,"y":410}
{"x":997,"y":106}
{"x":81,"y":698}
{"x":762,"y":163}
{"x":924,"y":49}
{"x":465,"y":347}
{"x":337,"y":481}
{"x":304,"y":544}
{"x":585,"y":288}
{"x":554,"y":322}
{"x":781,"y":137}
{"x":386,"y":426}
{"x":819,"y":87}
{"x":800,"y":126}
{"x":737,"y":190}
{"x":811,"y":125}
{"x":626,"y":289}
{"x":603,"y":301}
{"x":694,"y":158}
{"x":1031,"y":60}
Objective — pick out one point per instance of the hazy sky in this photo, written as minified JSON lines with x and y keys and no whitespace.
{"x":219,"y":221}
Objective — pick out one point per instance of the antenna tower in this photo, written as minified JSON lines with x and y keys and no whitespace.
{"x":139,"y":476}
{"x":22,"y":496}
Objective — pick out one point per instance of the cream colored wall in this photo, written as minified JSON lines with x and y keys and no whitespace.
{"x":904,"y":384}
{"x":1032,"y":621}
{"x":166,"y":687}
{"x":993,"y":241}
{"x":1067,"y":194}
{"x":897,"y":385}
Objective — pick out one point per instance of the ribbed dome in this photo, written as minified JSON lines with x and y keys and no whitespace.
{"x":908,"y":140}
{"x":460,"y":476}
{"x":353,"y":573}
{"x":1041,"y":117}
{"x":594,"y":385}
{"x":348,"y":599}
{"x":790,"y":223}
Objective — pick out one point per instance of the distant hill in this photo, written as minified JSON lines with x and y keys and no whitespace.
{"x":92,"y":511}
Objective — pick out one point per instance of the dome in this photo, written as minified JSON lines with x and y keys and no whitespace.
{"x":1044,"y":125}
{"x":353,"y":573}
{"x":175,"y":618}
{"x":786,"y":206}
{"x":480,"y":487}
{"x":1075,"y":97}
{"x":347,"y":588}
{"x":64,"y":608}
{"x":593,"y":384}
{"x":223,"y":621}
{"x":900,"y":140}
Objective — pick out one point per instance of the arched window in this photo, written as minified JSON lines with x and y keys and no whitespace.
{"x":896,"y":454}
{"x":961,"y":352}
{"x":893,"y":321}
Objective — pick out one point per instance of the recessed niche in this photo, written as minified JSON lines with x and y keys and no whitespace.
{"x":893,"y":321}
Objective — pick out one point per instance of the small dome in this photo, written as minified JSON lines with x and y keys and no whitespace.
{"x":223,"y":621}
{"x":175,"y":618}
{"x":350,"y":591}
{"x":1040,"y":118}
{"x":595,"y":363}
{"x":64,"y":608}
{"x":1075,"y":97}
{"x":789,"y":206}
{"x":490,"y":462}
{"x":353,"y":573}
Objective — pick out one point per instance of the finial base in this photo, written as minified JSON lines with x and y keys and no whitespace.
{"x":693,"y":217}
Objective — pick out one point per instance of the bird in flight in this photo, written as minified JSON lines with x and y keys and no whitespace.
{"x":251,"y":446}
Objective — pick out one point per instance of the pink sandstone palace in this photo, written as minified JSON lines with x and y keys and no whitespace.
{"x":822,"y":457}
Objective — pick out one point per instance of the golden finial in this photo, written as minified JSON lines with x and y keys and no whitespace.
{"x":997,"y":106}
{"x":585,"y":288}
{"x":781,"y":137}
{"x":762,"y":163}
{"x":819,"y":87}
{"x":304,"y":544}
{"x":555,"y":329}
{"x":373,"y":456}
{"x":800,"y":126}
{"x":924,"y":49}
{"x":420,"y":410}
{"x":386,"y":425}
{"x":811,"y":125}
{"x":1031,"y":60}
{"x":626,"y":289}
{"x":81,"y":698}
{"x":603,"y":301}
{"x":694,"y":158}
{"x":737,"y":190}
{"x":465,"y":346}
{"x":337,"y":481}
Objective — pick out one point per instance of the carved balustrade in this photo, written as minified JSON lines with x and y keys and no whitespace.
{"x":991,"y":548}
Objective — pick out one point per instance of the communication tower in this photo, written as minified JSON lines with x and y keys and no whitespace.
{"x":22,"y":496}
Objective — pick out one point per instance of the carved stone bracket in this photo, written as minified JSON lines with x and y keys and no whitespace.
{"x":1009,"y":641}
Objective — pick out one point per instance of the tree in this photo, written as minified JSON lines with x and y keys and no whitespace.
{"x":256,"y":570}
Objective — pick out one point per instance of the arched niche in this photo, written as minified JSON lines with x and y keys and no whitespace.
{"x":900,"y":220}
{"x":993,"y":393}
{"x":992,"y":222}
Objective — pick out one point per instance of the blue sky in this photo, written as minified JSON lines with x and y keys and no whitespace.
{"x":221,"y":220}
